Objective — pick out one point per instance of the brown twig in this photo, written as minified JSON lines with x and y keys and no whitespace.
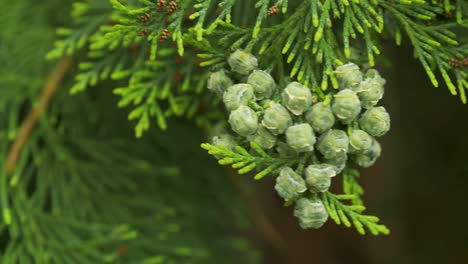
{"x":29,"y":123}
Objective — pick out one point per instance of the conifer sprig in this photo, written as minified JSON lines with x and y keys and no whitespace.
{"x":309,"y":39}
{"x":264,"y":164}
{"x":245,"y":162}
{"x":351,"y":215}
{"x":83,"y":190}
{"x":434,"y":44}
{"x":351,"y":186}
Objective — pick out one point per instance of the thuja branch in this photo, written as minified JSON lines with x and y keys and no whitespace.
{"x":38,"y":109}
{"x":301,"y":142}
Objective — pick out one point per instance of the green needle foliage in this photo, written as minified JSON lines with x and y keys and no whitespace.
{"x":305,"y":40}
{"x":351,"y":215}
{"x":84,"y":190}
{"x":245,"y":162}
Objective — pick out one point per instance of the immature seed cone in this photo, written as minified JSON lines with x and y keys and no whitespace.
{"x":318,"y":176}
{"x":338,"y":162}
{"x":276,"y":118}
{"x":262,"y":83}
{"x":300,"y":137}
{"x":237,"y":95}
{"x":225,"y":140}
{"x":371,"y":90}
{"x":284,"y":150}
{"x":320,"y":117}
{"x":244,"y":121}
{"x":370,"y":156}
{"x":349,"y":76}
{"x":346,"y":105}
{"x":374,"y":74}
{"x":333,"y":143}
{"x":219,"y":82}
{"x":297,"y":98}
{"x":375,"y":121}
{"x":311,"y":213}
{"x":359,"y":141}
{"x":289,"y":185}
{"x":263,"y":138}
{"x":242,"y":62}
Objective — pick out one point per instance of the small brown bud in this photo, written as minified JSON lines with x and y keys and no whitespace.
{"x":173,"y":6}
{"x":143,"y":32}
{"x":145,"y":18}
{"x":465,"y":62}
{"x":273,"y":11}
{"x":164,"y":35}
{"x":161,"y":4}
{"x":454,"y":62}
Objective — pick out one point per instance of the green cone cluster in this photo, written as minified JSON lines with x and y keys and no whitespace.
{"x":291,"y":122}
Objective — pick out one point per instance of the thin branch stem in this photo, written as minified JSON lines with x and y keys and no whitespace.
{"x":30,"y":122}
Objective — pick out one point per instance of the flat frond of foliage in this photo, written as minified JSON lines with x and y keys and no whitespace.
{"x":302,"y":40}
